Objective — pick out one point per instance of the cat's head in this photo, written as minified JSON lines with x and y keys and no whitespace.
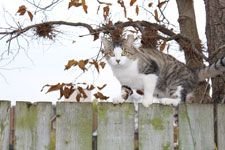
{"x":119,"y":52}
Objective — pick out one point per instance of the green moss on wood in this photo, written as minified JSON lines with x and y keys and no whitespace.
{"x":27,"y":117}
{"x":157,"y":124}
{"x":167,"y":146}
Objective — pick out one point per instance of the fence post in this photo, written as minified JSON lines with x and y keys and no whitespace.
{"x":221,"y":126}
{"x":196,"y":127}
{"x":73,"y":126}
{"x":32,"y":125}
{"x":115,"y":126}
{"x":4,"y":124}
{"x":155,"y":127}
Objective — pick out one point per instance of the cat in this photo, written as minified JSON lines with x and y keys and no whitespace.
{"x":156,"y":73}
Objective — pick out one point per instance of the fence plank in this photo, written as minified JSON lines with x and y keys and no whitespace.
{"x":221,"y":126}
{"x":155,"y":127}
{"x":115,"y":126}
{"x":4,"y":124}
{"x":196,"y":127}
{"x":32,"y":125}
{"x":73,"y":126}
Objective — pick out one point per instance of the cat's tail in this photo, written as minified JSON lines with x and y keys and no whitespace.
{"x":212,"y":70}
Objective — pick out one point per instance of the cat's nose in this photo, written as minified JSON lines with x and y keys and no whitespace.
{"x":118,"y":61}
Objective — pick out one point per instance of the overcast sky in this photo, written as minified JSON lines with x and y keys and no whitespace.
{"x":43,"y":61}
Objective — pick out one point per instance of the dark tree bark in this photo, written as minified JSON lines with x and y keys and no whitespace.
{"x":215,"y":34}
{"x":188,"y":29}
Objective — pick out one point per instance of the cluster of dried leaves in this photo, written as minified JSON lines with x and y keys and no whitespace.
{"x":67,"y":89}
{"x":82,"y":64}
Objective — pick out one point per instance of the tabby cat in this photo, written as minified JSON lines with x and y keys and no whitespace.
{"x":156,"y":73}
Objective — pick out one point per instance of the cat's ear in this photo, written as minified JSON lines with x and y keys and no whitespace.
{"x":105,"y":42}
{"x":130,"y":40}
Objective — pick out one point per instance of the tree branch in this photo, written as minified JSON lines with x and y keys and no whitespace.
{"x":106,"y":28}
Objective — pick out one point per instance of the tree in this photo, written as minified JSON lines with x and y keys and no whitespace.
{"x":188,"y":28}
{"x":156,"y":35}
{"x":215,"y":31}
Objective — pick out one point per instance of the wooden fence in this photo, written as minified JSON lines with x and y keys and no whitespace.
{"x":115,"y":126}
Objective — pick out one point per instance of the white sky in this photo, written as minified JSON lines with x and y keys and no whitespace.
{"x":43,"y":62}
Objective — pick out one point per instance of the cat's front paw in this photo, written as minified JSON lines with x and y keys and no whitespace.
{"x":118,"y":100}
{"x":146,"y":102}
{"x":169,"y":101}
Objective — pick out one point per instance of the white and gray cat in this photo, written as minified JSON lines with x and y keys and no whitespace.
{"x":156,"y":73}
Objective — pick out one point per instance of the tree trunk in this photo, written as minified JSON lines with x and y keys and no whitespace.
{"x":188,"y":29}
{"x":215,"y":34}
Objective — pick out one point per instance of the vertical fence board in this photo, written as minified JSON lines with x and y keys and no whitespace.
{"x":4,"y":124}
{"x":32,"y":126}
{"x":221,"y":126}
{"x":196,"y":127}
{"x":155,"y":127}
{"x":115,"y":126}
{"x":73,"y":126}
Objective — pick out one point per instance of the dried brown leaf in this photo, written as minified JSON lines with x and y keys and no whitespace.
{"x":68,"y":91}
{"x":162,"y":47}
{"x":106,"y":12}
{"x":150,"y":4}
{"x":81,"y":90}
{"x":85,"y":7}
{"x":100,"y":96}
{"x":30,"y":15}
{"x":137,"y":10}
{"x":70,"y":64}
{"x":156,"y":15}
{"x":132,"y":2}
{"x":82,"y":64}
{"x":96,"y":36}
{"x":53,"y":87}
{"x":78,"y":97}
{"x":102,"y":64}
{"x":161,"y":4}
{"x":91,"y":87}
{"x":74,"y":3}
{"x":22,"y":10}
{"x":131,"y":20}
{"x":100,"y":88}
{"x":94,"y":62}
{"x":121,"y":2}
{"x":104,"y":3}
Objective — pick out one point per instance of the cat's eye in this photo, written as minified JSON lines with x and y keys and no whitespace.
{"x":111,"y":54}
{"x":124,"y":53}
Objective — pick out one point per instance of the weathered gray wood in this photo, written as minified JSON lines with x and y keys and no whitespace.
{"x":155,"y":127}
{"x":4,"y":124}
{"x":33,"y":126}
{"x":115,"y":126}
{"x":196,"y":127}
{"x":73,"y":126}
{"x":221,"y":126}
